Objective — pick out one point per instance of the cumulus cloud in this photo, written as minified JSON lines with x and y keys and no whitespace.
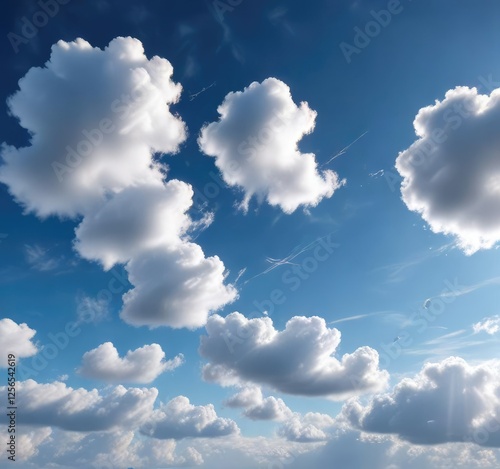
{"x":137,"y":219}
{"x":180,"y":419}
{"x":17,"y":339}
{"x":307,"y":428}
{"x":451,"y":174}
{"x":450,"y":401}
{"x":255,"y":145}
{"x":96,"y":119}
{"x":362,"y":451}
{"x":30,"y":440}
{"x":489,"y":325}
{"x":142,"y":365}
{"x":176,"y":287}
{"x":258,"y":407}
{"x":73,"y":160}
{"x":120,"y":449}
{"x":57,"y":405}
{"x":298,"y":360}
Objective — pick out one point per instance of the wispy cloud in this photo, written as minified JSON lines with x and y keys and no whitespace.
{"x":489,"y":325}
{"x":240,"y":274}
{"x":460,"y":290}
{"x":287,"y":260}
{"x":456,"y":342}
{"x":39,"y":259}
{"x":195,"y":95}
{"x":445,"y":337}
{"x":358,"y":316}
{"x":344,"y":150}
{"x":396,"y":270}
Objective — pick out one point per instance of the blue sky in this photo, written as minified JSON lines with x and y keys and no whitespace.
{"x":345,"y":204}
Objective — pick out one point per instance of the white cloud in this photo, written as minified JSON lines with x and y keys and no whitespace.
{"x":39,"y":259}
{"x":57,"y":405}
{"x":306,"y":428}
{"x":298,"y":360}
{"x":451,"y":174}
{"x":63,"y":105}
{"x":362,"y":451}
{"x":15,"y":338}
{"x":489,"y":325}
{"x":255,"y":143}
{"x":176,"y":287}
{"x":121,"y":449}
{"x":180,"y":419}
{"x":112,"y":105}
{"x":92,"y":310}
{"x":29,"y":441}
{"x":137,"y":219}
{"x":258,"y":407}
{"x":450,"y":401}
{"x":142,"y":365}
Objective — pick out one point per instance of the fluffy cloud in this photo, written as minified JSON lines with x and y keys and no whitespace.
{"x":97,"y":118}
{"x":258,"y":407}
{"x":180,"y":419}
{"x":137,"y":219}
{"x":57,"y":405}
{"x":451,"y":174}
{"x":63,"y":105}
{"x":489,"y":325}
{"x":362,"y":451}
{"x":255,"y":145}
{"x":142,"y":365}
{"x":449,"y":401}
{"x":306,"y":428}
{"x":15,"y":338}
{"x":121,"y":449}
{"x":298,"y":360}
{"x":176,"y":286}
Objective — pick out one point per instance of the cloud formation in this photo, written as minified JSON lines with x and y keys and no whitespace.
{"x":489,"y":325}
{"x":451,"y":174}
{"x":307,"y":428}
{"x":180,"y":419}
{"x":120,"y":449}
{"x":298,"y":360}
{"x":17,"y":339}
{"x":450,"y":401}
{"x":97,"y":118}
{"x":142,"y":365}
{"x":57,"y":405}
{"x":74,"y":160}
{"x":255,"y":145}
{"x":258,"y":407}
{"x":177,"y":287}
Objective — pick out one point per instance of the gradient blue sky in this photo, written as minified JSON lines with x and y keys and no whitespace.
{"x":372,"y":287}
